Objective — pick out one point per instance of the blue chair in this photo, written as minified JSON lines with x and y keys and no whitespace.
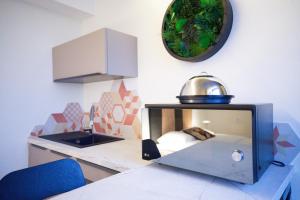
{"x":42,"y":181}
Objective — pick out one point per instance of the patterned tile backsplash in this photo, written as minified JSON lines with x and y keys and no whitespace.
{"x":71,"y":119}
{"x":116,"y":113}
{"x":286,"y":143}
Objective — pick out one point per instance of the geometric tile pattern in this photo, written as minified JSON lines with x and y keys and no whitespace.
{"x":73,"y":112}
{"x":106,"y":103}
{"x":286,"y":143}
{"x":59,"y":118}
{"x":37,"y":130}
{"x":132,"y":103}
{"x":71,"y":119}
{"x":117,"y":113}
{"x":123,"y":92}
{"x":74,"y":115}
{"x":56,"y":123}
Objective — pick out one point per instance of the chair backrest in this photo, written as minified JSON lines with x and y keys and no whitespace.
{"x":42,"y":181}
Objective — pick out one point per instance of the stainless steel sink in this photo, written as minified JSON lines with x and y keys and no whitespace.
{"x":81,"y":139}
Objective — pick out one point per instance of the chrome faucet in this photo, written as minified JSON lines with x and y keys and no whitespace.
{"x":92,"y":116}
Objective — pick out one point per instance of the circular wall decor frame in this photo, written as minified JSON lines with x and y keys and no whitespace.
{"x":194,"y":30}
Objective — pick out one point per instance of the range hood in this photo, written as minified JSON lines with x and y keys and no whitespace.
{"x":98,"y":56}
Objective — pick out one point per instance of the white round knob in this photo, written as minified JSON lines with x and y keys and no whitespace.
{"x":237,"y":155}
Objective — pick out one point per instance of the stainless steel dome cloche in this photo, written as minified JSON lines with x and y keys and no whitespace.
{"x":204,"y":89}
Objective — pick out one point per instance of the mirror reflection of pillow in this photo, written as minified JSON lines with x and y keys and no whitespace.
{"x":175,"y":140}
{"x":167,"y":148}
{"x":199,"y":133}
{"x":175,"y":137}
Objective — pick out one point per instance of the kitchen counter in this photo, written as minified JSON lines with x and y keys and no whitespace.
{"x":155,"y":182}
{"x":141,"y":181}
{"x":119,"y":156}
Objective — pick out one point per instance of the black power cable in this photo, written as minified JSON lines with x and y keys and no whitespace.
{"x":278,"y":163}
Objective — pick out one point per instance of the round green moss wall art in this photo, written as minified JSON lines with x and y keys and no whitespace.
{"x":194,"y":30}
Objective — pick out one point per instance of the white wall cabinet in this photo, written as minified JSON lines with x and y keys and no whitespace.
{"x":39,"y":155}
{"x":102,"y":55}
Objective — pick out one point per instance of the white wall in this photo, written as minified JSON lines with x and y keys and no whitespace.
{"x":259,"y":63}
{"x":87,"y":6}
{"x":27,"y":92}
{"x":79,"y":9}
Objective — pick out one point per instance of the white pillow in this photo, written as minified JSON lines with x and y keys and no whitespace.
{"x":175,"y":138}
{"x":166,"y":148}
